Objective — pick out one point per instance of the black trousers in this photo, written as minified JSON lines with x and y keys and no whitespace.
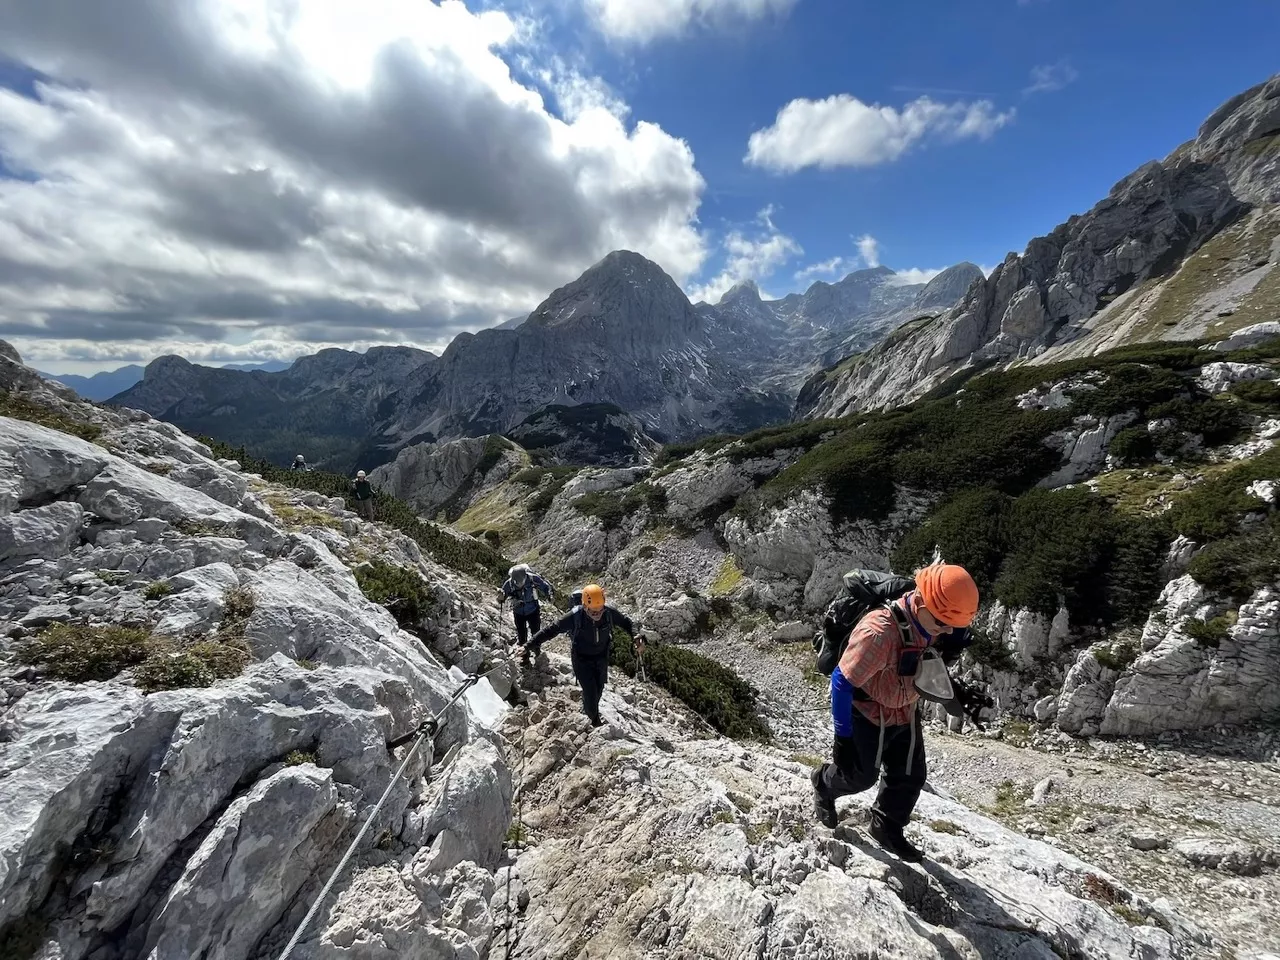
{"x":592,"y":673}
{"x":527,"y":623}
{"x":853,"y":767}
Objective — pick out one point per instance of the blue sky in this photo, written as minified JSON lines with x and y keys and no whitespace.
{"x":247,"y":181}
{"x":1137,"y":79}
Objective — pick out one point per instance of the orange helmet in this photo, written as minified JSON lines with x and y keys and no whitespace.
{"x":593,"y":598}
{"x":949,"y":593}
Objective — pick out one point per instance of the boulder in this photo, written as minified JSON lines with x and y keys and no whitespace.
{"x":49,"y":531}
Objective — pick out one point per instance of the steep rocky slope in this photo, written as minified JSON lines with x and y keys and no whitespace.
{"x":1180,"y":249}
{"x":198,"y":713}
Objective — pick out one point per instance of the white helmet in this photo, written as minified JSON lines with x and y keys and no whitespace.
{"x":360,"y":474}
{"x":299,"y":457}
{"x":518,"y":573}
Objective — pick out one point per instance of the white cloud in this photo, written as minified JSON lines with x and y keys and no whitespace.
{"x":749,"y":258}
{"x":869,"y":250}
{"x":214,"y":173}
{"x":1049,"y":77}
{"x":643,"y":21}
{"x":903,"y":278}
{"x":842,"y":131}
{"x":827,"y":268}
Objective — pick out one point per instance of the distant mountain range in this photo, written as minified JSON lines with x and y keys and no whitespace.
{"x":622,"y":337}
{"x":105,"y":385}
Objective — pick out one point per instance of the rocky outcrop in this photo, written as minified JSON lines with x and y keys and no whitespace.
{"x":799,"y":553}
{"x":430,"y":476}
{"x":204,"y":814}
{"x":1143,"y":231}
{"x":661,"y":844}
{"x":1183,"y":681}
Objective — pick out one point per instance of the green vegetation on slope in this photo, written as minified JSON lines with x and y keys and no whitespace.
{"x":22,"y":408}
{"x":711,"y":690}
{"x":462,"y":554}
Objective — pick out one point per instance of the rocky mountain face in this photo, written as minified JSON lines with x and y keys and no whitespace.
{"x":444,"y":477}
{"x":622,"y":334}
{"x":590,"y":433}
{"x":1182,"y":248}
{"x":201,"y":709}
{"x":322,"y":406}
{"x":781,"y":342}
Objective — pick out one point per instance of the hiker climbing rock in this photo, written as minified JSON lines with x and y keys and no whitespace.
{"x":590,"y":629}
{"x":299,"y":463}
{"x":363,"y":490}
{"x":522,"y":588}
{"x":874,"y":701}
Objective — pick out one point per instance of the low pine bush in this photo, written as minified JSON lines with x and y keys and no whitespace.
{"x":399,"y":589}
{"x":712,"y":691}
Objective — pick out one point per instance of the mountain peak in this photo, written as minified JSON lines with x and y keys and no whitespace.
{"x":167,"y":365}
{"x":743,"y":290}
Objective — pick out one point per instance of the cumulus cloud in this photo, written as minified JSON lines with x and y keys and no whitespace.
{"x":842,"y":131}
{"x":753,"y":257}
{"x":1049,"y":77}
{"x":869,"y":250}
{"x":214,"y":173}
{"x":643,"y":21}
{"x":912,"y":275}
{"x":836,"y":266}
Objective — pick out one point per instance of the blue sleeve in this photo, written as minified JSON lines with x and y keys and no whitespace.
{"x":841,"y":704}
{"x":543,"y":586}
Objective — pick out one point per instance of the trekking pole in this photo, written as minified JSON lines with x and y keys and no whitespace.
{"x":425,"y":733}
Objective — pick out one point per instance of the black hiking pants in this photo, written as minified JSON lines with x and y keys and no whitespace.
{"x":527,"y":623}
{"x":853,"y":767}
{"x":592,"y":673}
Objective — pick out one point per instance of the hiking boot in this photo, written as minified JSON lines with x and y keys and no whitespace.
{"x":824,"y":808}
{"x":890,"y":836}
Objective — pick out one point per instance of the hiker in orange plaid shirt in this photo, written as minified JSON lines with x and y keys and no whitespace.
{"x":873,"y":703}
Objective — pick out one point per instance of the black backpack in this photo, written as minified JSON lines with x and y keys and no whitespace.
{"x":864,"y":591}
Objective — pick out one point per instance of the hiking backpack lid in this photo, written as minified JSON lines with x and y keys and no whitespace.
{"x":864,"y":591}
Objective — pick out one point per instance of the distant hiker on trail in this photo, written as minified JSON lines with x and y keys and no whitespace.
{"x":363,"y":490}
{"x":874,"y":699}
{"x":519,"y":588}
{"x":299,"y":463}
{"x":590,"y":629}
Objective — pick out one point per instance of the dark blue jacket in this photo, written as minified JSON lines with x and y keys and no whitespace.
{"x":588,"y":638}
{"x":526,"y":602}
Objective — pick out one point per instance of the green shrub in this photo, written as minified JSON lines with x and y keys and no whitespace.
{"x":21,"y":408}
{"x":1213,"y":508}
{"x":1133,"y":445}
{"x":79,"y":653}
{"x":157,"y":589}
{"x":968,"y":528}
{"x":1058,"y":543}
{"x":1237,"y":566}
{"x":297,"y":758}
{"x":1265,"y":393}
{"x":238,"y":604}
{"x":648,"y":496}
{"x":1139,"y":546}
{"x":1118,"y":655}
{"x":171,"y":668}
{"x":607,"y":507}
{"x":399,"y":589}
{"x":1210,"y":633}
{"x":712,"y":691}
